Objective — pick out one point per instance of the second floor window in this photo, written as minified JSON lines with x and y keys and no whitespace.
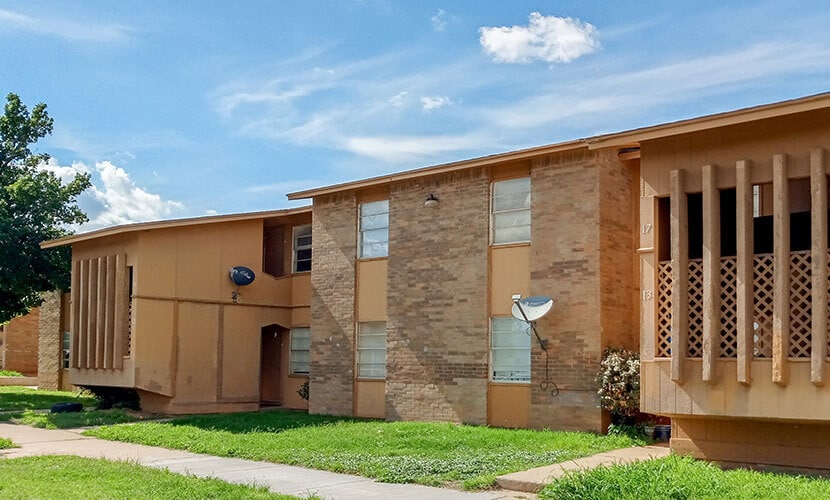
{"x":302,"y":248}
{"x":373,"y":229}
{"x":510,"y":211}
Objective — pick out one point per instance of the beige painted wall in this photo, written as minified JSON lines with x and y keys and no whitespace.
{"x":370,"y":305}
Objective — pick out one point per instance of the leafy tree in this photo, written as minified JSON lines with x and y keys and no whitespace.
{"x":34,"y":206}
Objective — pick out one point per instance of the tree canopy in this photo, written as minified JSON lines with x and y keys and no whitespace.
{"x":35,"y":206}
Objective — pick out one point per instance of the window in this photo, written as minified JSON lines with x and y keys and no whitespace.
{"x":302,"y":248}
{"x":371,"y":350}
{"x":66,"y":340}
{"x":509,"y":350}
{"x":298,"y":358}
{"x":374,"y":229}
{"x":510,"y":220}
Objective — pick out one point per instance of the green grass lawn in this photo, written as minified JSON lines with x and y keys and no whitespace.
{"x":25,"y":398}
{"x":404,"y":452}
{"x":680,"y":478}
{"x":84,"y":418}
{"x":83,"y":478}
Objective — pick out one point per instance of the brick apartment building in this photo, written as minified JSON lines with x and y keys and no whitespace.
{"x":702,"y":242}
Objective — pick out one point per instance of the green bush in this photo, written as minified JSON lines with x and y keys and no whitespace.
{"x":618,"y":384}
{"x":10,"y":373}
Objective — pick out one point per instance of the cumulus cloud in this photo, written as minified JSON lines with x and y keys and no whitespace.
{"x":439,"y":20}
{"x":124,"y":202}
{"x":547,"y":38}
{"x":397,"y":101}
{"x":435,"y":102}
{"x":113,"y":198}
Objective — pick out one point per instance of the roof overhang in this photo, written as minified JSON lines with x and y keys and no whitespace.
{"x":165,"y":224}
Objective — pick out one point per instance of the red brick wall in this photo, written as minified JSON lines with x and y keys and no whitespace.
{"x":437,"y":349}
{"x":21,"y":343}
{"x":332,"y":306}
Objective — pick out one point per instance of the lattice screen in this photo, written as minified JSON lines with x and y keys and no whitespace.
{"x":762,"y":308}
{"x":664,"y":282}
{"x":729,"y":307}
{"x":801,"y":295}
{"x":695,"y":349}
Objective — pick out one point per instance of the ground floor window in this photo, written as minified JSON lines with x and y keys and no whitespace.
{"x":298,"y":358}
{"x":509,"y":350}
{"x":65,"y":342}
{"x":371,"y":350}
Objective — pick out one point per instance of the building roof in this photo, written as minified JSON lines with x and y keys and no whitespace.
{"x":164,"y":224}
{"x":628,"y":138}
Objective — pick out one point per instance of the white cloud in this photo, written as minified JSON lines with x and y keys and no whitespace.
{"x":439,"y":20}
{"x":82,"y":31}
{"x":548,"y":38}
{"x":396,"y":149}
{"x":64,"y":173}
{"x":397,"y":100}
{"x":429,"y":103}
{"x":211,"y":212}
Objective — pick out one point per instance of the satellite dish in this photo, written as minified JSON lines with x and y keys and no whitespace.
{"x":531,"y":308}
{"x":241,"y":275}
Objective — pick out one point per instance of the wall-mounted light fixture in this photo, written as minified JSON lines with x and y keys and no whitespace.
{"x":431,"y":201}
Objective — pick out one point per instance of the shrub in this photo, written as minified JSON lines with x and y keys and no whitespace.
{"x":618,"y":384}
{"x":303,"y":391}
{"x":10,"y":373}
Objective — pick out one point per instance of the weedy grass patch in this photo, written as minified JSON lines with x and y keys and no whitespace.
{"x":5,"y":444}
{"x":25,"y":398}
{"x":73,"y":420}
{"x":440,"y":454}
{"x":681,"y":478}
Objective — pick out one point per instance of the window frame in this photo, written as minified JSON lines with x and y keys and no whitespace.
{"x":361,"y":247}
{"x":296,"y":248}
{"x":494,"y":213}
{"x":360,"y":350}
{"x":292,"y":363}
{"x":66,"y":349}
{"x":523,"y":330}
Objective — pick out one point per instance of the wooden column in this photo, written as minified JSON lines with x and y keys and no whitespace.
{"x":75,"y":313}
{"x":781,"y":247}
{"x":818,"y":223}
{"x":101,"y":312}
{"x":110,"y":316}
{"x":745,"y":270}
{"x":92,"y":316}
{"x":680,"y":273}
{"x":83,"y":313}
{"x":122,"y":304}
{"x":711,"y":272}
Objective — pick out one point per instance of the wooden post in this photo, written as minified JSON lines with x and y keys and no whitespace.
{"x":75,"y":313}
{"x":121,"y":292}
{"x":110,"y":330}
{"x":745,"y":271}
{"x":818,"y":223}
{"x":781,"y":247}
{"x":680,"y":273}
{"x":101,"y":312}
{"x":711,"y":272}
{"x":83,"y":313}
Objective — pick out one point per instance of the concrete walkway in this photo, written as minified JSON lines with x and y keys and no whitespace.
{"x":296,"y":480}
{"x":279,"y":478}
{"x":534,"y":480}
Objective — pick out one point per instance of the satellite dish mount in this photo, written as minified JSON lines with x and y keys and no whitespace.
{"x":530,"y":310}
{"x":240,"y":276}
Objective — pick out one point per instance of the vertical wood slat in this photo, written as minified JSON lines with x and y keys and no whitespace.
{"x":781,"y":252}
{"x":121,"y":293}
{"x":711,"y":272}
{"x":75,"y":313}
{"x":92,"y":312}
{"x":109,"y":330}
{"x":680,"y":273}
{"x":101,"y":312}
{"x":818,"y":223}
{"x":745,"y":272}
{"x":83,"y":313}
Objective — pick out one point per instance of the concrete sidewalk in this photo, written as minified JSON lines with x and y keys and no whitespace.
{"x":534,"y":480}
{"x":279,"y":478}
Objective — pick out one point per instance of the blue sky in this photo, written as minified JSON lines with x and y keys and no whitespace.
{"x":183,"y":109}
